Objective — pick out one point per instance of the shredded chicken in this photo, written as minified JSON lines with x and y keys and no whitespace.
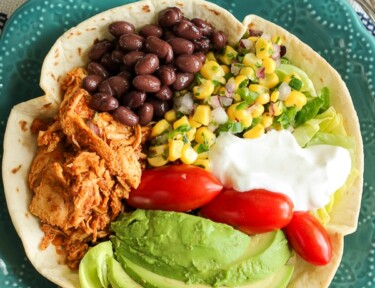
{"x":86,"y":164}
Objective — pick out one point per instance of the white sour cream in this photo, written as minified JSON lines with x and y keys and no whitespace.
{"x":277,"y":163}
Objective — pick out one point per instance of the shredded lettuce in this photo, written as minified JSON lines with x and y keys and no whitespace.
{"x":328,"y":128}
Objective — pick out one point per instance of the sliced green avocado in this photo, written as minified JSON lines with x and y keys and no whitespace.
{"x":148,"y":279}
{"x":117,"y":276}
{"x":93,"y":266}
{"x":196,"y":250}
{"x":307,"y":84}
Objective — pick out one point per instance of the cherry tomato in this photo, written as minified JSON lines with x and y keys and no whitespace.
{"x":309,"y":238}
{"x":254,"y":211}
{"x":177,"y":188}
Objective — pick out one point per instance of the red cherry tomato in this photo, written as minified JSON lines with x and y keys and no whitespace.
{"x":309,"y":238}
{"x":177,"y":188}
{"x":254,"y":211}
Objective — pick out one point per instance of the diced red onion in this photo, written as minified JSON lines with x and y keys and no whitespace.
{"x":253,"y":32}
{"x":230,"y":87}
{"x":276,"y":52}
{"x":226,"y":101}
{"x":218,"y":116}
{"x":260,"y":73}
{"x":214,"y":101}
{"x":235,"y":69}
{"x":284,"y":90}
{"x":184,"y":104}
{"x":246,"y":43}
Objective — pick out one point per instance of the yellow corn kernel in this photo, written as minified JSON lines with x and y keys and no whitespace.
{"x":253,"y":38}
{"x":241,"y":80}
{"x":256,"y":110}
{"x":188,"y":155}
{"x":277,"y":108}
{"x":225,"y":69}
{"x":157,"y":161}
{"x":269,"y":80}
{"x":203,"y":163}
{"x":191,"y":133}
{"x":267,"y":120}
{"x":202,"y":114}
{"x":269,"y":65}
{"x":244,"y":117}
{"x":231,"y":111}
{"x":248,"y":72}
{"x":170,"y":116}
{"x":260,"y":89}
{"x":183,"y":121}
{"x":157,"y":150}
{"x":263,"y":98}
{"x":295,"y":98}
{"x":221,"y":91}
{"x":160,"y":127}
{"x":193,"y":123}
{"x":175,"y":148}
{"x":262,"y":48}
{"x":202,"y":155}
{"x":251,"y":60}
{"x":205,"y":136}
{"x":290,"y":76}
{"x":204,"y":90}
{"x":275,"y":96}
{"x":210,"y":56}
{"x":277,"y":40}
{"x":255,"y":132}
{"x":229,"y":55}
{"x":211,"y":70}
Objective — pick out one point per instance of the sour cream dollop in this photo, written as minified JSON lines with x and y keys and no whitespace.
{"x":277,"y":163}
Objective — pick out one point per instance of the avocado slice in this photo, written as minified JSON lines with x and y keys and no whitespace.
{"x":117,"y":276}
{"x":307,"y":84}
{"x":93,"y":266}
{"x":148,"y":279}
{"x":196,"y":250}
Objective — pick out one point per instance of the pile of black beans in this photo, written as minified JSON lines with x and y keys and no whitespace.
{"x":134,"y":76}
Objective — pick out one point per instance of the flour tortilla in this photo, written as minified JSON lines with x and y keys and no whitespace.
{"x":71,"y":50}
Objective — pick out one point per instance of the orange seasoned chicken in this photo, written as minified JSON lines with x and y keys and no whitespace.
{"x":86,"y":164}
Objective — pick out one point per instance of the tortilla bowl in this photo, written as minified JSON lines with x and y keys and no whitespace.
{"x":71,"y":50}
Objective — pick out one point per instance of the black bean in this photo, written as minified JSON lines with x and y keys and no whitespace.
{"x":181,"y":46}
{"x":132,"y":57}
{"x":147,"y":65}
{"x":151,"y":30}
{"x":169,"y":16}
{"x":188,"y":63}
{"x":168,"y":35}
{"x":117,"y":56}
{"x":160,"y":107}
{"x":201,"y":56}
{"x":115,"y":86}
{"x":103,"y":102}
{"x":187,"y":30}
{"x":99,"y":49}
{"x":219,"y":39}
{"x":183,"y":81}
{"x":126,"y":116}
{"x":97,"y":69}
{"x":202,"y":45}
{"x":119,"y":28}
{"x":130,"y":42}
{"x":165,"y":93}
{"x":91,"y":82}
{"x":146,"y":113}
{"x":160,"y":48}
{"x":109,"y":64}
{"x":133,"y":99}
{"x":125,"y":74}
{"x":205,"y":27}
{"x":166,"y":74}
{"x":147,"y":83}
